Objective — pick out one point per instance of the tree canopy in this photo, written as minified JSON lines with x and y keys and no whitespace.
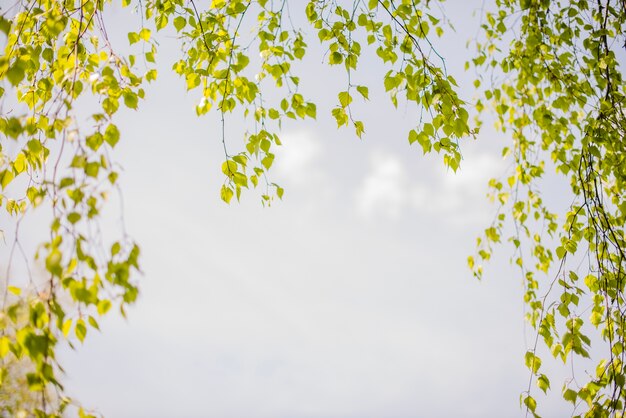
{"x":548,"y":72}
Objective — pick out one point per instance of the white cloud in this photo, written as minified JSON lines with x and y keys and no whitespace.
{"x":459,"y":197}
{"x":384,"y":189}
{"x":475,"y":171}
{"x":296,"y":157}
{"x":389,"y":189}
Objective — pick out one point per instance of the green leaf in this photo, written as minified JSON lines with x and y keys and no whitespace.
{"x":226,"y":194}
{"x":15,"y":290}
{"x":311,"y":110}
{"x":95,"y":141}
{"x":241,"y":180}
{"x":532,"y":361}
{"x":73,"y":217}
{"x":5,"y":346}
{"x":151,"y":75}
{"x":53,"y":263}
{"x":67,"y":326}
{"x":16,"y":73}
{"x":359,"y":128}
{"x":92,"y":321}
{"x":6,"y":177}
{"x":161,"y":21}
{"x":267,"y":161}
{"x":92,"y":169}
{"x":34,"y":146}
{"x":336,"y":58}
{"x":5,"y":25}
{"x":340,"y":116}
{"x":570,"y":395}
{"x":130,"y":100}
{"x":179,"y":23}
{"x":229,"y":168}
{"x":103,"y":306}
{"x":80,"y":330}
{"x":530,"y":403}
{"x":344,"y":98}
{"x":364,"y":91}
{"x":19,"y":164}
{"x":570,"y":246}
{"x":544,"y":383}
{"x":273,"y":113}
{"x":112,"y":135}
{"x":110,"y":105}
{"x":145,"y":34}
{"x":133,"y":37}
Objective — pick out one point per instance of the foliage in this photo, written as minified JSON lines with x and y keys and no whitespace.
{"x":562,"y":98}
{"x":16,"y":398}
{"x":558,"y":92}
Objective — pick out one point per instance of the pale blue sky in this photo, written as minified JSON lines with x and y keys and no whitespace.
{"x":351,"y":298}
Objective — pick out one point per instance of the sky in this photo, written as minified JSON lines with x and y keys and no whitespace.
{"x":349,"y":298}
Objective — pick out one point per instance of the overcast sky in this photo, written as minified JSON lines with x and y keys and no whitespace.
{"x":350,"y":298}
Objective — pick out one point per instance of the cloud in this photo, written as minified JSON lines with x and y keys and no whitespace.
{"x":384,"y":189}
{"x":475,"y":171}
{"x":297,"y":156}
{"x":390,"y":190}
